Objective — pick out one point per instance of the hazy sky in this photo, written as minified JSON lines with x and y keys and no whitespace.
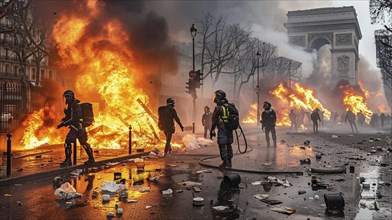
{"x":264,"y":17}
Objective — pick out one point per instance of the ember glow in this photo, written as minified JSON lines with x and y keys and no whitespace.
{"x":355,"y":101}
{"x":299,"y":98}
{"x":37,"y":133}
{"x":106,"y":72}
{"x":251,"y":117}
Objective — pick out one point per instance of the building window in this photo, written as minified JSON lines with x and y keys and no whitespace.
{"x":51,"y":74}
{"x":33,"y":74}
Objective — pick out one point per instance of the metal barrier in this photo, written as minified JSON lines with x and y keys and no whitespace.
{"x":13,"y":103}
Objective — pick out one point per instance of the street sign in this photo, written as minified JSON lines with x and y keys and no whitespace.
{"x":192,"y":74}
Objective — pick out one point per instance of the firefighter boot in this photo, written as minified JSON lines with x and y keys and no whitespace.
{"x":89,"y":152}
{"x":68,"y":152}
{"x":229,"y":163}
{"x":224,"y":164}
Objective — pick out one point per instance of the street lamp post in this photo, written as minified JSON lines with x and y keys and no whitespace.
{"x":193,"y":31}
{"x":258,"y":88}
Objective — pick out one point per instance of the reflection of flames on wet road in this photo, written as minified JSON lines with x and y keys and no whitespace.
{"x":105,"y":72}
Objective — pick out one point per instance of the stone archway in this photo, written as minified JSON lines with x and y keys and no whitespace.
{"x":312,"y":29}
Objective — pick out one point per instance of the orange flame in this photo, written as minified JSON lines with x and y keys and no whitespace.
{"x":355,"y":101}
{"x":251,"y":117}
{"x":299,"y":98}
{"x":106,"y":70}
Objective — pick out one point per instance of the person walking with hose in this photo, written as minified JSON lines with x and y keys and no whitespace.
{"x":225,"y":133}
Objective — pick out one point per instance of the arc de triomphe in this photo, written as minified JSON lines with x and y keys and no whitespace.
{"x":312,"y":29}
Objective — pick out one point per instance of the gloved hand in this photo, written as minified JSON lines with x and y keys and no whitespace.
{"x":59,"y":126}
{"x":212,"y":134}
{"x":182,"y":128}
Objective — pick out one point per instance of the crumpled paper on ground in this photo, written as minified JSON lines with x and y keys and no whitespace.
{"x":277,"y":181}
{"x":112,"y":186}
{"x":66,"y":191}
{"x":190,"y":184}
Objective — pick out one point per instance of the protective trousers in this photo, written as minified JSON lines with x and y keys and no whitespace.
{"x":168,"y":135}
{"x":267,"y":130}
{"x":225,"y":139}
{"x":81,"y":135}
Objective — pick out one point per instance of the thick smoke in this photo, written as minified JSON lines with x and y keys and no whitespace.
{"x":149,"y":41}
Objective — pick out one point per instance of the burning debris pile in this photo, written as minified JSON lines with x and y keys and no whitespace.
{"x":303,"y":100}
{"x":106,"y":65}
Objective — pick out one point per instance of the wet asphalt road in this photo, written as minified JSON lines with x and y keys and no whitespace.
{"x":35,"y":199}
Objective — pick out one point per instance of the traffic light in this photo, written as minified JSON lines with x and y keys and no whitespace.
{"x":198,"y":79}
{"x":190,"y":86}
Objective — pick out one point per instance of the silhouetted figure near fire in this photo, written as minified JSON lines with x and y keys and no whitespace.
{"x":268,"y":122}
{"x":336,"y":117}
{"x":374,"y":120}
{"x":293,"y":120}
{"x":301,"y":117}
{"x":220,"y":120}
{"x":167,"y":114}
{"x":321,"y":113}
{"x":382,"y":119}
{"x":350,"y":117}
{"x":315,"y":117}
{"x":73,"y":119}
{"x":361,"y":119}
{"x":206,"y":120}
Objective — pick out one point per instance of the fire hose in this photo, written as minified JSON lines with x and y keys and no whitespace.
{"x":238,"y":142}
{"x":202,"y":163}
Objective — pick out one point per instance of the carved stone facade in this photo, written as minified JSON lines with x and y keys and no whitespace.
{"x":326,"y":35}
{"x":343,"y":65}
{"x":338,"y":27}
{"x":298,"y":41}
{"x":344,"y":39}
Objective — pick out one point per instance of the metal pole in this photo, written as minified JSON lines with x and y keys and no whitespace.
{"x":193,"y":128}
{"x":193,"y":53}
{"x":130,"y":140}
{"x":258,"y":92}
{"x":193,"y":68}
{"x":75,"y":154}
{"x":9,"y":135}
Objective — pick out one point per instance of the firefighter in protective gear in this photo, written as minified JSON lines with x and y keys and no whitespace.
{"x":268,"y":122}
{"x":225,"y":136}
{"x":72,"y":119}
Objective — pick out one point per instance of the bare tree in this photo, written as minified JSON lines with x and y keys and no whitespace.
{"x":283,"y":69}
{"x":381,"y":12}
{"x":5,"y":7}
{"x":220,"y":45}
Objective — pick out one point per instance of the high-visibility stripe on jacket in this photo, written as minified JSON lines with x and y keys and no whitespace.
{"x":225,"y":114}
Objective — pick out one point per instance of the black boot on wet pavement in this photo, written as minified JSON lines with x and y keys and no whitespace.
{"x":66,"y":163}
